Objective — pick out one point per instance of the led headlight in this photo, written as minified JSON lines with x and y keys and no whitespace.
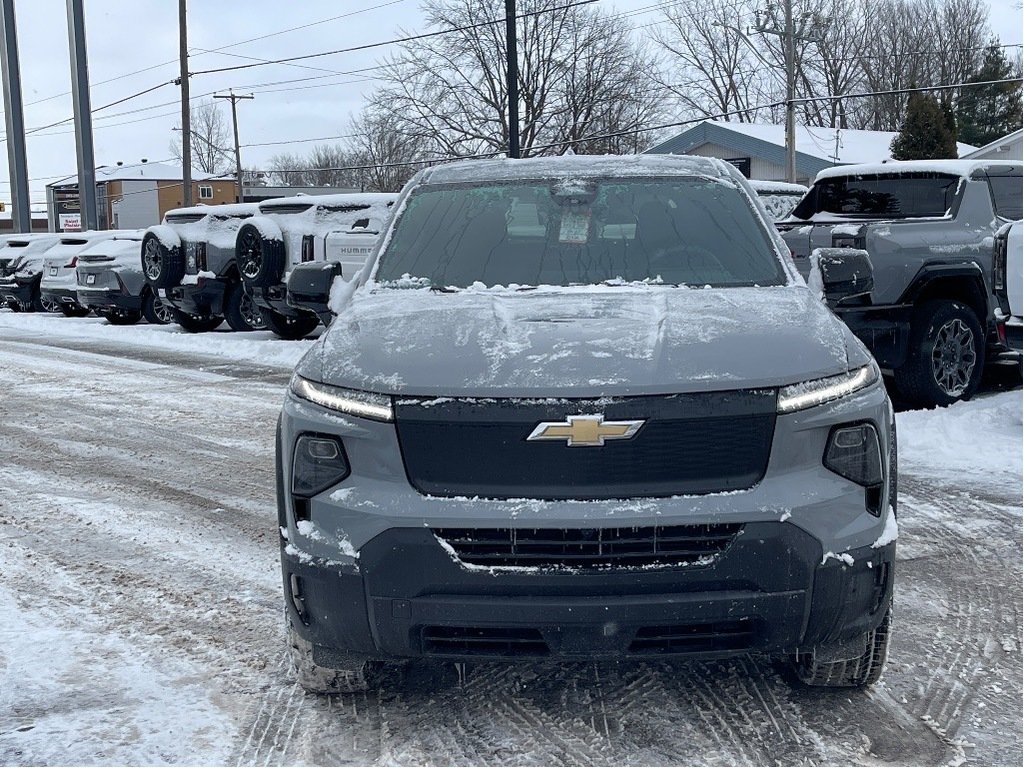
{"x":368,"y":405}
{"x":319,"y":463}
{"x":807,"y":394}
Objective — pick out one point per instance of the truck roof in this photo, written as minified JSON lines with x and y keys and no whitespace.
{"x":505,"y":169}
{"x":953,"y":167}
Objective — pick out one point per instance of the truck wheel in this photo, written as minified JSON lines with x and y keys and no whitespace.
{"x":859,"y":672}
{"x":39,"y":304}
{"x":162,"y":264}
{"x":240,"y":311}
{"x":259,"y":259}
{"x":945,"y":356}
{"x":156,"y":310}
{"x":288,"y":327}
{"x":353,"y":677}
{"x":194,"y":324}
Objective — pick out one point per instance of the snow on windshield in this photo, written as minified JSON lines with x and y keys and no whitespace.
{"x":581,"y":231}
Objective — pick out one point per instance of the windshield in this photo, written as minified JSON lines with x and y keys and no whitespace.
{"x":680,"y":231}
{"x":896,"y":196}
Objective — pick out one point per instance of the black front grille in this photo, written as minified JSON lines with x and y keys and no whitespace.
{"x":631,"y":547}
{"x":688,"y":444}
{"x":694,"y":638}
{"x":483,"y":641}
{"x":184,"y":218}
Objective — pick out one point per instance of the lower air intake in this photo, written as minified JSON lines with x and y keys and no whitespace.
{"x":483,"y":641}
{"x":694,"y":638}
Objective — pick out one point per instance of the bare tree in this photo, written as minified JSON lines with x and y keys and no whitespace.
{"x":326,"y":165}
{"x":209,"y":138}
{"x":449,"y":92}
{"x":709,"y":67}
{"x":390,"y":157}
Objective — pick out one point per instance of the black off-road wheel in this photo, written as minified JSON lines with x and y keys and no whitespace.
{"x":260,"y":259}
{"x":240,"y":311}
{"x":859,"y":672}
{"x":945,"y":356}
{"x":163,"y":265}
{"x":347,"y":673}
{"x":290,"y":327}
{"x":194,"y":324}
{"x":156,"y":310}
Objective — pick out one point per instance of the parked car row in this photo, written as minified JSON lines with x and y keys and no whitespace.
{"x":234,"y":262}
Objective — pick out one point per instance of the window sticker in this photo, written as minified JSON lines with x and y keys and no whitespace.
{"x":575,"y":227}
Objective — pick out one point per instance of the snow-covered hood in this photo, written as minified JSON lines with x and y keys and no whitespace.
{"x":579,"y":342}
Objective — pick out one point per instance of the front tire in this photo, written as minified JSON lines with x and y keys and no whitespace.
{"x":859,"y":672}
{"x":945,"y":356}
{"x":288,"y":327}
{"x":351,"y":674}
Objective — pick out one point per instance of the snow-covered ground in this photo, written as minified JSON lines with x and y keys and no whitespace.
{"x":140,"y":605}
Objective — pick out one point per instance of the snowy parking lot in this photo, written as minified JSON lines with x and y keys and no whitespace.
{"x":141,"y":611}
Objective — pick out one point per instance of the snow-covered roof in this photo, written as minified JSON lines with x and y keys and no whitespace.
{"x":229,"y":209}
{"x":954,"y":167}
{"x":777,"y":187}
{"x":1010,"y":144}
{"x":855,"y":146}
{"x":138,"y":172}
{"x":356,"y":198}
{"x":576,"y":165}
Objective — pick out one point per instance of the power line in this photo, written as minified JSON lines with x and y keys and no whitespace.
{"x":395,"y":41}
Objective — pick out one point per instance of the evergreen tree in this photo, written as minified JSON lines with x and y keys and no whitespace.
{"x":926,"y":133}
{"x":989,"y":112}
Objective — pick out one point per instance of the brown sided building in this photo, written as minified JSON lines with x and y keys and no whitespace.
{"x":133,"y":196}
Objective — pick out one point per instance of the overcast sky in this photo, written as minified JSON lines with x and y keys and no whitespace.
{"x":133,"y":45}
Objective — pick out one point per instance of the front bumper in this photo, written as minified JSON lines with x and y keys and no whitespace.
{"x":770,"y":593}
{"x":204,"y":297}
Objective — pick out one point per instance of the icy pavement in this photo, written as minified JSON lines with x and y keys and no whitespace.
{"x":140,"y":606}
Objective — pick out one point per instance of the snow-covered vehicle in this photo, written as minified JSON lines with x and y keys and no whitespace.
{"x":58,"y":285}
{"x":779,"y":198}
{"x":189,"y":260}
{"x":291,"y":231}
{"x":615,"y":424}
{"x":1008,"y":280}
{"x":929,"y":227}
{"x":19,"y":283}
{"x":110,"y":283}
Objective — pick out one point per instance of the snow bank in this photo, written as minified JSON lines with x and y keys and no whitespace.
{"x":978,"y":440}
{"x":260,"y":347}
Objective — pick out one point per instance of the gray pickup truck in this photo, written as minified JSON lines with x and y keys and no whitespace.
{"x":584,"y":408}
{"x":929,"y":227}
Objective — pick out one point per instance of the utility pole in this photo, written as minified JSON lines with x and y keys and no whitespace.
{"x":83,"y":116}
{"x":186,"y":116}
{"x":791,"y":30}
{"x":21,"y":216}
{"x":512,"y":77}
{"x":234,"y":121}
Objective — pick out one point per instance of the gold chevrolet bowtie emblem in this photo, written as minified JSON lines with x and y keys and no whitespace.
{"x":579,"y":431}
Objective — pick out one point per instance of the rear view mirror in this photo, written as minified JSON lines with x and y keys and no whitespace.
{"x":843,"y":276}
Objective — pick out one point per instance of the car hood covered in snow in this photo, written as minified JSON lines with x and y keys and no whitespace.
{"x":579,"y":342}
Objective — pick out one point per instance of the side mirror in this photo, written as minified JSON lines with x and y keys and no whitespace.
{"x":309,"y":287}
{"x":842,"y":276}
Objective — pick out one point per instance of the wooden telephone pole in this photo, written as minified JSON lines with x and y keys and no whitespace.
{"x":235,"y":98}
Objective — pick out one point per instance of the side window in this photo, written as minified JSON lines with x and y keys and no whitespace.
{"x":1006,"y":196}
